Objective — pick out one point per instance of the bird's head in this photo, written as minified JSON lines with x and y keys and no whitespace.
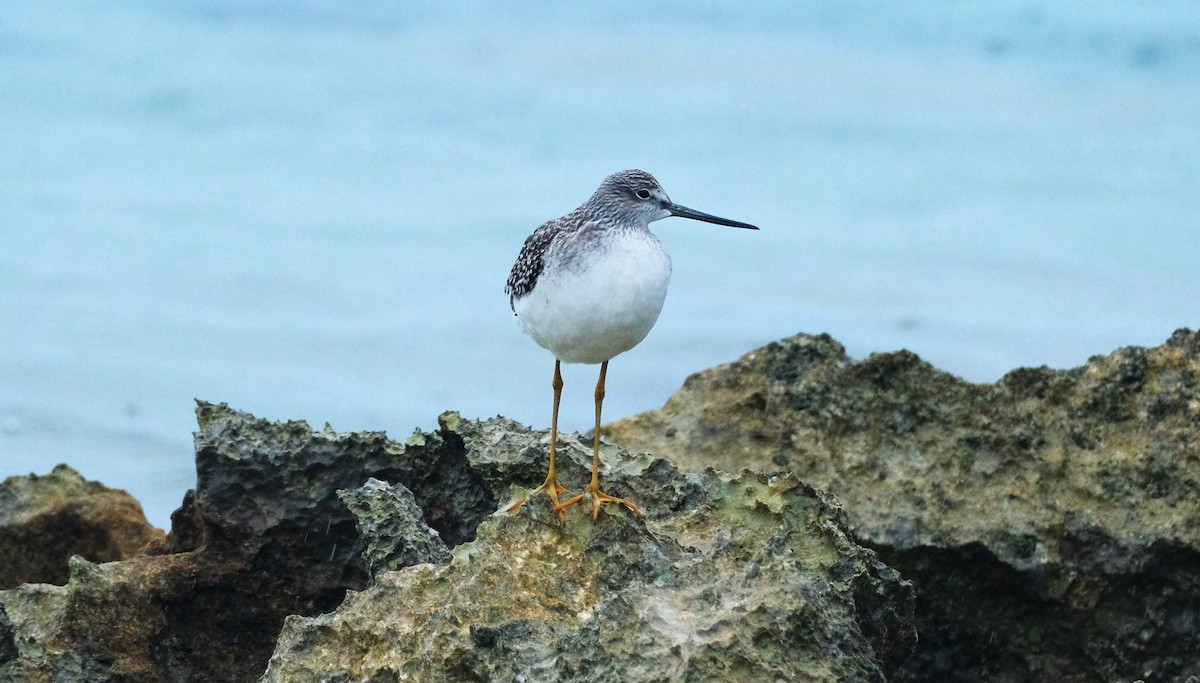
{"x":635,"y":195}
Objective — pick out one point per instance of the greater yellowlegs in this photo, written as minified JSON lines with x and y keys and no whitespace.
{"x":588,"y":286}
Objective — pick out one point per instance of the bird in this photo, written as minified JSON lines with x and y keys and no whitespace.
{"x":589,"y":286}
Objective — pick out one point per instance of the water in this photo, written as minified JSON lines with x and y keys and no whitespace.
{"x":309,"y":210}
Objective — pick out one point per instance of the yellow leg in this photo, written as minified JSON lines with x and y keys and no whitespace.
{"x":551,"y":487}
{"x":593,"y":489}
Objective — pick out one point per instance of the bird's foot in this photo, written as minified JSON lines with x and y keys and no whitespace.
{"x":551,"y":488}
{"x":598,"y":498}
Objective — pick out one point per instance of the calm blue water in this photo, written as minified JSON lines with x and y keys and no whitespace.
{"x":308,"y":210}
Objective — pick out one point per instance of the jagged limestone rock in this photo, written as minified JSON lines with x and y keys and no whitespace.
{"x":392,"y":527}
{"x":1050,"y":521}
{"x":263,"y":536}
{"x":266,"y":535}
{"x":739,"y":578}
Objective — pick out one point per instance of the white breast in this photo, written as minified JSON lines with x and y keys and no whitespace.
{"x":600,"y":304}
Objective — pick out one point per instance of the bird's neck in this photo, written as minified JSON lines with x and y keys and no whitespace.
{"x":608,"y":217}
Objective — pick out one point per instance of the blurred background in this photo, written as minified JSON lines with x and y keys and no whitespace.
{"x":309,"y":209}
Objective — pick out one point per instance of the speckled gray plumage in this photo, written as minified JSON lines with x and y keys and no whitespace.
{"x":611,"y":206}
{"x":530,"y":261}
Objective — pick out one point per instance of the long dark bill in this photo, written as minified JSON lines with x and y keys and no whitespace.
{"x":684,"y":212}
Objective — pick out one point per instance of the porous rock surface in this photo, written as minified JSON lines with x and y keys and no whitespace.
{"x":747,"y":577}
{"x":1049,"y":521}
{"x":392,"y":526}
{"x":264,"y":535}
{"x":46,"y":519}
{"x":755,"y":572}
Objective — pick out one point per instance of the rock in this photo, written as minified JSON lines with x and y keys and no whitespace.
{"x":391,"y":524}
{"x":736,"y":578}
{"x":1050,"y":521}
{"x":44,"y":520}
{"x":263,"y":536}
{"x":266,"y":534}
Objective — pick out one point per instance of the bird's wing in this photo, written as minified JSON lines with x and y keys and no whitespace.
{"x":530,"y":261}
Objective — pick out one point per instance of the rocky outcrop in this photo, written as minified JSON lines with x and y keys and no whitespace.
{"x":733,"y":578}
{"x":46,"y":519}
{"x":1050,"y":521}
{"x":392,"y":527}
{"x":264,"y":535}
{"x":729,"y":574}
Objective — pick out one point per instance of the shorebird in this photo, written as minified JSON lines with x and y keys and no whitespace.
{"x":588,"y":286}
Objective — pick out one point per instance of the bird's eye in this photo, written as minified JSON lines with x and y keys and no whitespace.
{"x":643,"y":194}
